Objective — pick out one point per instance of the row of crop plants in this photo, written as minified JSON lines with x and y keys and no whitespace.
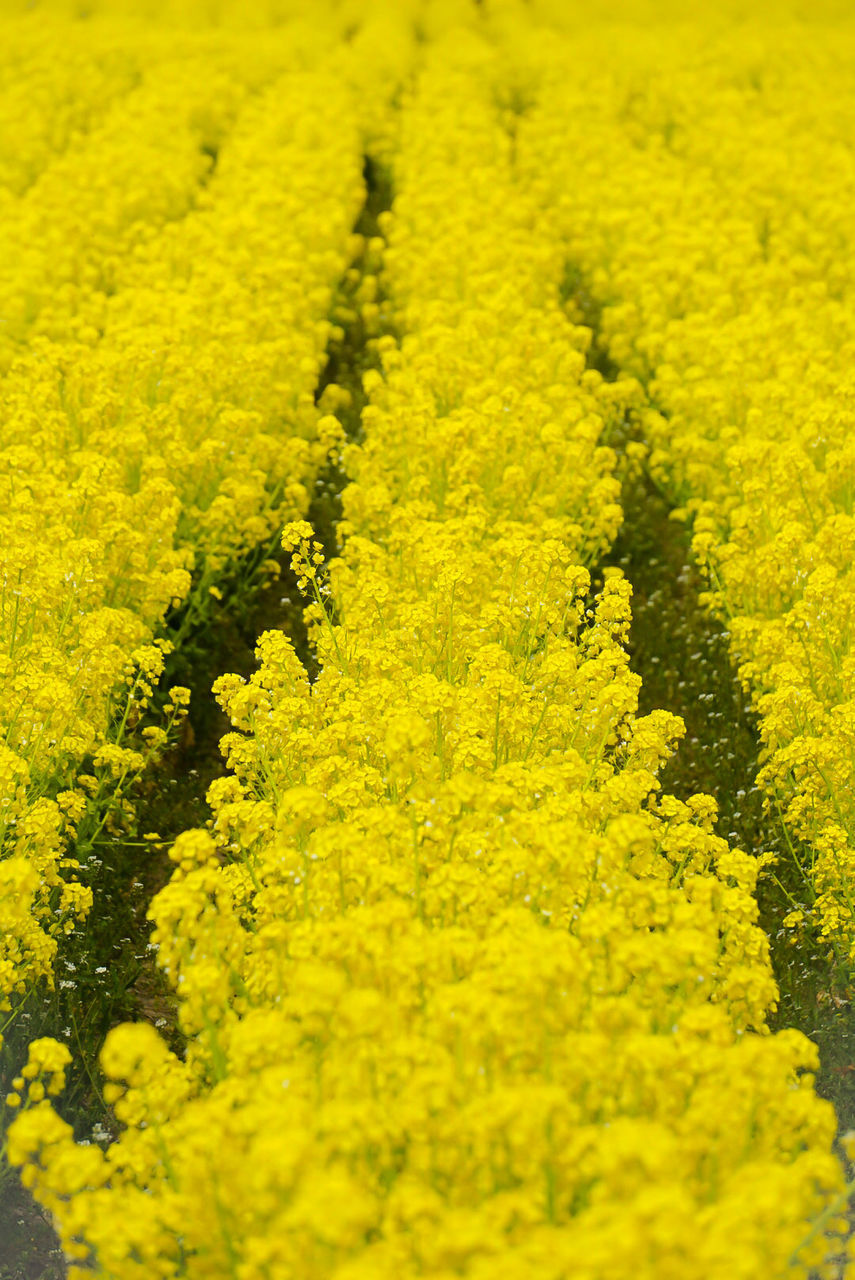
{"x":463,"y":992}
{"x":711,"y":213}
{"x":166,"y":283}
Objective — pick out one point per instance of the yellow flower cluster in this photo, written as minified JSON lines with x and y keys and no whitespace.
{"x":464,"y":993}
{"x":709,"y":212}
{"x":57,"y":85}
{"x":167,"y":272}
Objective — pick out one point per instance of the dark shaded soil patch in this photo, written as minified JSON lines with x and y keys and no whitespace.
{"x":681,"y":653}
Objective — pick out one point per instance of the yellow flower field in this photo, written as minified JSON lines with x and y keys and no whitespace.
{"x":457,"y":984}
